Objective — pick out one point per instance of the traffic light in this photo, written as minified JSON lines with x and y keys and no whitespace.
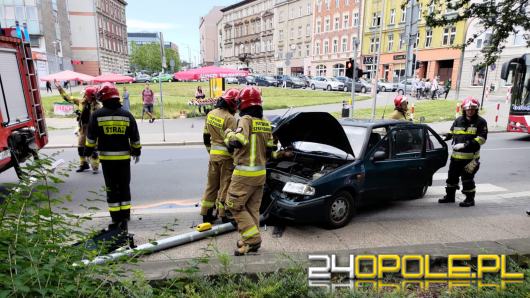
{"x":349,"y":68}
{"x":358,"y":72}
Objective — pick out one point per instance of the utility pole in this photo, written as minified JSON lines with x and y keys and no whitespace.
{"x":411,"y":32}
{"x":163,"y":55}
{"x":374,"y":86}
{"x":354,"y":66}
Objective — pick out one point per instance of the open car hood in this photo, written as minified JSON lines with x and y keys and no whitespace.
{"x":315,"y":127}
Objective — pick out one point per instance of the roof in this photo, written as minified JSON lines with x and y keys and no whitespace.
{"x":236,"y":5}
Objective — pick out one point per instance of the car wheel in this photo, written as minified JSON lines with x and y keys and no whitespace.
{"x":419,"y":192}
{"x":345,"y":89}
{"x":339,"y":210}
{"x":328,"y":88}
{"x":400,"y":92}
{"x":313,"y":87}
{"x":383,"y":89}
{"x":363,"y":89}
{"x":147,"y":81}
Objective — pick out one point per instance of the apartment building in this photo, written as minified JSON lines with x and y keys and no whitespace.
{"x":293,"y":35}
{"x":337,"y":26}
{"x":434,"y":47}
{"x":245,"y":37}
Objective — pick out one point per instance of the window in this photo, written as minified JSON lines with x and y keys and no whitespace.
{"x":376,"y":19}
{"x":291,"y":36}
{"x":337,"y":23}
{"x":335,"y":45}
{"x":299,"y":50}
{"x":452,"y":36}
{"x":355,"y":19}
{"x":337,"y":3}
{"x":407,"y":141}
{"x":338,"y":70}
{"x":428,"y":38}
{"x":420,"y":7}
{"x":321,"y":70}
{"x":307,"y":50}
{"x":326,"y":47}
{"x":431,"y":7}
{"x":327,"y":25}
{"x":346,"y":21}
{"x":299,"y":31}
{"x":417,"y":41}
{"x":445,"y":40}
{"x":327,"y":4}
{"x":478,"y":75}
{"x":344,"y":44}
{"x":309,"y":9}
{"x":319,"y":27}
{"x":317,"y":48}
{"x":392,"y":16}
{"x":374,"y":44}
{"x":308,"y":30}
{"x":390,"y":42}
{"x":403,"y":15}
{"x":401,"y":41}
{"x":479,"y":43}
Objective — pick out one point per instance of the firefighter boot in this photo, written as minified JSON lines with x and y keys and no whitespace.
{"x":246,"y":248}
{"x":528,"y":212}
{"x":469,"y":201}
{"x":450,"y":195}
{"x":83,"y":166}
{"x":209,"y":217}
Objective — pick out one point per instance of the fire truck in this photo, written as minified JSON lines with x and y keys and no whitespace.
{"x":22,"y":125}
{"x":517,"y":71}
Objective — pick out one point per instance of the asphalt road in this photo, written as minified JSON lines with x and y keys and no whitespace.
{"x":175,"y":176}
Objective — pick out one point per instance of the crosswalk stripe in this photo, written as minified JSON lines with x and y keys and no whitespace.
{"x":439,"y":176}
{"x":481,"y":188}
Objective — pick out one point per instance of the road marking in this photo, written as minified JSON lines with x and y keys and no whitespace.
{"x":439,"y":176}
{"x":503,"y":149}
{"x":481,"y":188}
{"x":168,"y":204}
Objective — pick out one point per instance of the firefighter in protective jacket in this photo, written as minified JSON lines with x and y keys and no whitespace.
{"x":253,"y":143}
{"x":220,"y":165}
{"x":115,"y":133}
{"x":468,"y":132}
{"x":86,"y":106}
{"x":400,"y":108}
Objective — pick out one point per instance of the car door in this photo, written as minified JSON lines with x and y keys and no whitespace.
{"x":395,"y":168}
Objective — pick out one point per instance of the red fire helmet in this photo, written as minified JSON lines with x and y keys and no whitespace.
{"x":107,"y":91}
{"x":470,"y":103}
{"x":398,"y":100}
{"x":90,"y":92}
{"x":230,"y":97}
{"x":249,"y":96}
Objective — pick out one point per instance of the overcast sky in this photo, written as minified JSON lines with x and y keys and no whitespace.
{"x":178,"y":20}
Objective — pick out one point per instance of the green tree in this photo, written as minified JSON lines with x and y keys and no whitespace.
{"x":501,"y":18}
{"x":147,"y":57}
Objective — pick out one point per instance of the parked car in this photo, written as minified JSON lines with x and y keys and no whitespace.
{"x":142,"y":78}
{"x":249,"y":80}
{"x":231,"y":80}
{"x":290,"y":81}
{"x":305,"y":79}
{"x":385,"y":85}
{"x":361,"y":85}
{"x":266,"y":81}
{"x":401,"y":87}
{"x":326,"y":84}
{"x":341,"y":165}
{"x":165,"y":77}
{"x":130,"y":74}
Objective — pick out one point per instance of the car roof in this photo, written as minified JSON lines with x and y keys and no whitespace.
{"x":373,"y":123}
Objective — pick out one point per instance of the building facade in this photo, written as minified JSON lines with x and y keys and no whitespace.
{"x":433,"y":47}
{"x":209,"y":36}
{"x":49,"y":30}
{"x":246,"y":36}
{"x":99,"y":36}
{"x":293,"y":35}
{"x":337,"y":26}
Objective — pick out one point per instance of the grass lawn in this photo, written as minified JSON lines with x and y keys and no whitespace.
{"x":432,"y":110}
{"x":177,"y":94}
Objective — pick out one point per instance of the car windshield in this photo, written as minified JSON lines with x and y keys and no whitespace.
{"x":269,"y":78}
{"x":356,"y":136}
{"x":333,"y":79}
{"x":322,"y":149}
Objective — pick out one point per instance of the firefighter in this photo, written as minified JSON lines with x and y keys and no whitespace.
{"x":115,"y":133}
{"x":86,"y":106}
{"x":220,"y":165}
{"x":468,"y":132}
{"x":253,"y":143}
{"x":400,"y":108}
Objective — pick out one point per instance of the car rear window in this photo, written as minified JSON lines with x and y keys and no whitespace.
{"x":356,"y":136}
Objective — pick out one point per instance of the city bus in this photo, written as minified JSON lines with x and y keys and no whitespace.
{"x":518,"y":72}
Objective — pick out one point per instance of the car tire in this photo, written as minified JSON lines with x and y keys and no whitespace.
{"x":313,"y":87}
{"x":419,"y":193}
{"x":328,"y":88}
{"x":383,"y":89}
{"x":147,"y":81}
{"x":363,"y":89}
{"x":400,"y":92}
{"x":345,"y":89}
{"x":339,"y":210}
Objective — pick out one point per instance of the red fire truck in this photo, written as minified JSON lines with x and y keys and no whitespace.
{"x":517,"y":71}
{"x":22,"y":125}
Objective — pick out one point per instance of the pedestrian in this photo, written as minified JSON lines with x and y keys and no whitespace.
{"x":252,"y":141}
{"x":220,"y":165}
{"x":447,"y":87}
{"x":199,"y":96}
{"x":148,"y":99}
{"x":284,"y":82}
{"x":115,"y":133}
{"x":468,"y":132}
{"x":422,"y":88}
{"x":86,"y":107}
{"x":427,"y":90}
{"x":126,"y":102}
{"x":48,"y":87}
{"x":434,"y":88}
{"x":416,"y":86}
{"x":400,"y":108}
{"x":65,"y":84}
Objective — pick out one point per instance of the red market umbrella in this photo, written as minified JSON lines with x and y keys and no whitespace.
{"x":209,"y":72}
{"x":186,"y":75}
{"x":67,"y":75}
{"x":113,"y":78}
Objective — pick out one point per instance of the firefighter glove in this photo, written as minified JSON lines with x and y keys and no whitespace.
{"x":472,"y":167}
{"x":459,"y":146}
{"x":136,"y":159}
{"x":234,"y":144}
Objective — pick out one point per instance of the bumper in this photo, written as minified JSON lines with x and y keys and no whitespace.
{"x":338,"y":88}
{"x":300,"y":211}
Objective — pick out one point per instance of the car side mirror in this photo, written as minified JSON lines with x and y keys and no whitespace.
{"x":379,"y":155}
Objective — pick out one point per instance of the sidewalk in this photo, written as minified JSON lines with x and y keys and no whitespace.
{"x":496,"y":225}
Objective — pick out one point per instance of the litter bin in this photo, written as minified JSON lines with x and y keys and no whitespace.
{"x":345,"y":109}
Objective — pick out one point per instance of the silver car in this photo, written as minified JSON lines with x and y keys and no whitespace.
{"x":326,"y":84}
{"x":385,"y":85}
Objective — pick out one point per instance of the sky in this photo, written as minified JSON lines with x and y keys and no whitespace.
{"x":178,"y":20}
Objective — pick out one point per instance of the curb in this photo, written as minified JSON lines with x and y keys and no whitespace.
{"x":158,"y":144}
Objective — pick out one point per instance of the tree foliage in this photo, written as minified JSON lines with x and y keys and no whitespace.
{"x":500,"y":18}
{"x":147,"y":57}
